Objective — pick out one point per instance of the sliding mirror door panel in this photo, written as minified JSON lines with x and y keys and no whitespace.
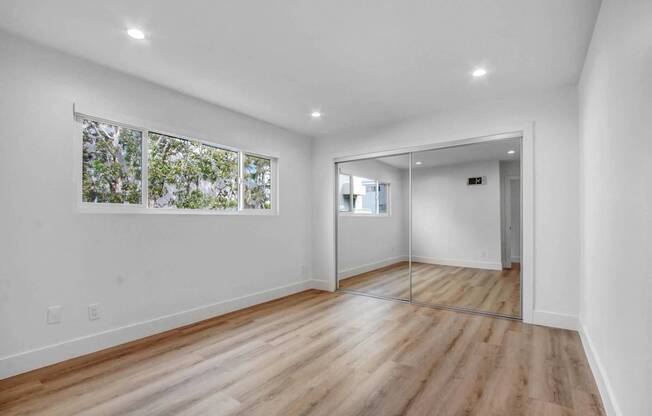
{"x":372,"y":226}
{"x":466,"y":227}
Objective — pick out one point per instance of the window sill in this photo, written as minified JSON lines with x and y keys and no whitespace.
{"x":122,"y":210}
{"x":358,"y":215}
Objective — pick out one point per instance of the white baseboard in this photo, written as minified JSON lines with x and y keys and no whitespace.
{"x":322,"y":285}
{"x":473,"y":264}
{"x":51,"y":354}
{"x":370,"y":266}
{"x":606,"y":392}
{"x":555,"y":320}
{"x":516,"y":259}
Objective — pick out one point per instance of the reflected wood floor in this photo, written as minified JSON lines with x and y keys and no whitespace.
{"x":321,"y":353}
{"x":497,"y":291}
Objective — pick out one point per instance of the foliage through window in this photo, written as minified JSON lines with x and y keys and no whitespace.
{"x":362,"y":196}
{"x":180,"y":173}
{"x":189,"y":174}
{"x":257,"y":182}
{"x":111,"y":163}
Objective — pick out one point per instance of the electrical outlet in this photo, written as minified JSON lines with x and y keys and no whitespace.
{"x":54,"y":314}
{"x":93,"y":311}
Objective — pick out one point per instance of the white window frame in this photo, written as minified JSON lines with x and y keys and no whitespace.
{"x":352,"y":212}
{"x":143,"y":207}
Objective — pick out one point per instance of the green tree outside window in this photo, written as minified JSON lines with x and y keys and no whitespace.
{"x":189,"y":174}
{"x":257,"y":182}
{"x":111,"y":163}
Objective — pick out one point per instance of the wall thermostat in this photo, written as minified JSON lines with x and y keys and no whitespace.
{"x":478,"y":180}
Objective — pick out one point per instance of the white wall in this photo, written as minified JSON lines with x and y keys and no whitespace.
{"x":556,"y":184}
{"x":454,"y":223}
{"x":142,"y":269}
{"x":616,"y":156}
{"x":370,"y":242}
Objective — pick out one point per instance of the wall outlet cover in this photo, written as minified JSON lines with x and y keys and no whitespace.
{"x":94,"y":311}
{"x":54,"y":314}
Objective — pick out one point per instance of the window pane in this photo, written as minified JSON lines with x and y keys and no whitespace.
{"x":364,"y":195}
{"x":111,"y":163}
{"x":189,"y":174}
{"x":345,"y":193}
{"x":257,"y":182}
{"x":383,"y":195}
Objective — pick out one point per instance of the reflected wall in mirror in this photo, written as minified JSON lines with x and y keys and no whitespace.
{"x":372,"y":226}
{"x":466,"y":227}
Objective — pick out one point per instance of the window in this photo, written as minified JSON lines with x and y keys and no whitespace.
{"x":152,"y":171}
{"x":192,"y":175}
{"x":257,"y":182}
{"x":383,"y":198}
{"x":111,"y":163}
{"x":344,"y":193}
{"x":363,"y":196}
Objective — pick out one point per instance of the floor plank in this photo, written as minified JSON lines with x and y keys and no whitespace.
{"x":320,"y":353}
{"x":495,"y":291}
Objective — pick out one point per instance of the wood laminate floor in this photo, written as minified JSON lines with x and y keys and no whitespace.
{"x":496,"y":291}
{"x":320,"y":353}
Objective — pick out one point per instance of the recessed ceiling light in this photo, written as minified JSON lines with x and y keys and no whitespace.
{"x":511,"y":152}
{"x":136,"y":34}
{"x":479,"y":72}
{"x":316,"y":114}
{"x":418,"y":163}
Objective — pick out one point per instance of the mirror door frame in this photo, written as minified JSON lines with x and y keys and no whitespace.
{"x":526,"y":133}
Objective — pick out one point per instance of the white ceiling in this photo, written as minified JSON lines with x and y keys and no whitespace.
{"x":362,"y":63}
{"x":493,"y":150}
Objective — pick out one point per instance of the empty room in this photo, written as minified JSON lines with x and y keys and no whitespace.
{"x":337,"y":208}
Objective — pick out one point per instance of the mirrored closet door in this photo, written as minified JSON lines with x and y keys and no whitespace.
{"x":372,"y":226}
{"x":438,"y":227}
{"x":466,"y":227}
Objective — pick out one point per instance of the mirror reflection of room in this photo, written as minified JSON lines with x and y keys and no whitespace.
{"x":372,"y":237}
{"x":466,"y":227}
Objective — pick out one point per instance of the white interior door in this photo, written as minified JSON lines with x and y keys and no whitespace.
{"x":514,"y":230}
